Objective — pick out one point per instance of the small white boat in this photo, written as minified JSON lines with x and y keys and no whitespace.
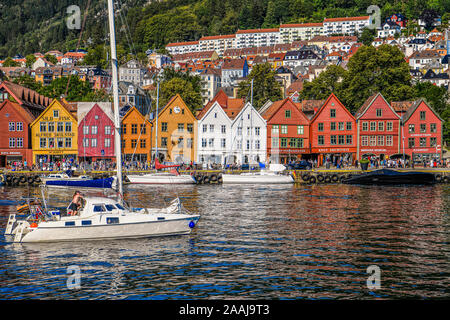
{"x":161,"y":178}
{"x":101,"y":218}
{"x":64,"y":180}
{"x":271,"y":176}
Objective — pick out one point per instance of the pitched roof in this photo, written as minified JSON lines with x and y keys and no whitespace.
{"x":25,"y":114}
{"x":25,"y":96}
{"x":369,"y":102}
{"x":346,"y":19}
{"x":258,"y":30}
{"x":401,"y":106}
{"x":231,"y":106}
{"x":233,"y":64}
{"x":414,"y":107}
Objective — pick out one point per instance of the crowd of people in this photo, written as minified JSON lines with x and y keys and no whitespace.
{"x":335,"y":163}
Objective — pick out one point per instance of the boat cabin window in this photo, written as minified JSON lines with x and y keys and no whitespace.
{"x":70,"y":223}
{"x":112,"y":220}
{"x":109,"y":207}
{"x":120,"y":206}
{"x":99,"y":208}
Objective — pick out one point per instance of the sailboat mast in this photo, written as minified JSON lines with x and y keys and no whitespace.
{"x":156,"y":129}
{"x":117,"y":138}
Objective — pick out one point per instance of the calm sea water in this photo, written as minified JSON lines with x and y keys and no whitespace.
{"x":252,"y":242}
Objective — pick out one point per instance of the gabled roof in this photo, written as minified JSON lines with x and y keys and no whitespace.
{"x":369,"y":102}
{"x":231,"y":106}
{"x":26,"y":115}
{"x":401,"y":106}
{"x":414,"y":107}
{"x":134,"y":109}
{"x":62,"y":104}
{"x":25,"y":96}
{"x":326,"y":102}
{"x":277,"y":105}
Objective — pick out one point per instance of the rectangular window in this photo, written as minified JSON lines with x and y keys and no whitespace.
{"x":60,"y":143}
{"x":423,"y":128}
{"x":43,"y":126}
{"x":333,"y":126}
{"x":333,"y":140}
{"x":380,"y":141}
{"x":43,"y":143}
{"x":257,"y":131}
{"x":373,"y":140}
{"x":51,"y":142}
{"x":204,"y":142}
{"x":389,"y":141}
{"x":124,"y":128}
{"x":373,"y":126}
{"x":248,"y":144}
{"x":12,"y":142}
{"x":134,"y":128}
{"x":163,"y":126}
{"x":211,"y":143}
{"x":86,"y":142}
{"x":133,"y":143}
{"x":223,"y":143}
{"x":320,"y":140}
{"x":143,"y":128}
{"x":211,"y":128}
{"x":284,"y":129}
{"x":223,"y":129}
{"x":364,"y":140}
{"x":433,"y":142}
{"x":55,"y":113}
{"x":349,"y":139}
{"x":60,"y":127}
{"x":287,"y":114}
{"x":94,"y":129}
{"x":275,"y":129}
{"x":332,"y":113}
{"x":94,"y":142}
{"x":411,"y":143}
{"x":275,"y":142}
{"x":422,"y":115}
{"x":108,"y":130}
{"x":300,"y":130}
{"x":189,"y":127}
{"x":143,"y":143}
{"x":68,"y":142}
{"x":239,"y":131}
{"x":12,"y":126}
{"x":349,"y":125}
{"x":340,"y":126}
{"x":380,"y":126}
{"x":51,"y":127}
{"x":320,"y":126}
{"x":433,"y":128}
{"x":341,"y":140}
{"x":257,"y":145}
{"x":107,"y":142}
{"x":85,"y":129}
{"x":68,"y":126}
{"x":389,"y":126}
{"x":379,"y":112}
{"x":19,"y":126}
{"x":411,"y":128}
{"x":283,"y":143}
{"x":365,"y":126}
{"x":423,"y":142}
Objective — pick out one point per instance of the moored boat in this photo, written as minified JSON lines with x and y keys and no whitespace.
{"x":64,"y":180}
{"x":271,"y":176}
{"x":391,"y":177}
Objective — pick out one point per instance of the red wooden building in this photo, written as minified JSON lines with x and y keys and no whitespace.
{"x":15,"y":142}
{"x":333,"y":133}
{"x":95,"y":132}
{"x":287,"y":131}
{"x":422,"y":133}
{"x":378,"y":128}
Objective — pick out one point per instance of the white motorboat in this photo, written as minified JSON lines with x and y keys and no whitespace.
{"x":84,"y":181}
{"x":101,"y":218}
{"x":271,"y":176}
{"x":161,"y":178}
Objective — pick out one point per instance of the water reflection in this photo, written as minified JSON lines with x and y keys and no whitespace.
{"x":252,"y":242}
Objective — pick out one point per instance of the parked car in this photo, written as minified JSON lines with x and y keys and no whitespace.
{"x":299,"y":165}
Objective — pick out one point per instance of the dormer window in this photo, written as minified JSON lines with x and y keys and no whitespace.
{"x":55,"y":113}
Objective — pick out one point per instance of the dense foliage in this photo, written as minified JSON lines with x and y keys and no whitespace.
{"x":28,"y":26}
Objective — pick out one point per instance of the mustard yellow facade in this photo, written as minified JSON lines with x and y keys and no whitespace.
{"x":177,"y":132}
{"x":54,"y":135}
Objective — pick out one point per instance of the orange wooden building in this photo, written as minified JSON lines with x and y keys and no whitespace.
{"x":136,"y":133}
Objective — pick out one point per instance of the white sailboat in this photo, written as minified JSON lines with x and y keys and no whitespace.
{"x":273,"y":175}
{"x":161,"y":177}
{"x":102,"y":218}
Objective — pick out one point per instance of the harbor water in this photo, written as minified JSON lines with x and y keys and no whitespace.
{"x":252,"y":242}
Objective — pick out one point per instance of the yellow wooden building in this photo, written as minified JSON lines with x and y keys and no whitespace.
{"x":177,"y":132}
{"x":54,"y":134}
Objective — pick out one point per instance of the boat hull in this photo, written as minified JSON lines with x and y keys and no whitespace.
{"x":82,"y":183}
{"x":126,"y":230}
{"x":160,"y":179}
{"x":391,"y":177}
{"x":256,"y":179}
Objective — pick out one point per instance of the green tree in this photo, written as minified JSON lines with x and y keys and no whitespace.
{"x":51,"y":58}
{"x":265,"y":86}
{"x":372,"y":70}
{"x":78,"y":90}
{"x":30,"y":59}
{"x":326,"y":83}
{"x":9,"y":62}
{"x":184,"y":88}
{"x":28,"y":82}
{"x":367,"y":36}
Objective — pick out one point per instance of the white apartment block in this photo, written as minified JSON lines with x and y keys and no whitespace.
{"x":182,"y":47}
{"x":257,"y":38}
{"x":300,"y":31}
{"x":217,"y":43}
{"x":346,"y":26}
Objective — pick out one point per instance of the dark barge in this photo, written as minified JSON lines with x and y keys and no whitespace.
{"x":391,"y":177}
